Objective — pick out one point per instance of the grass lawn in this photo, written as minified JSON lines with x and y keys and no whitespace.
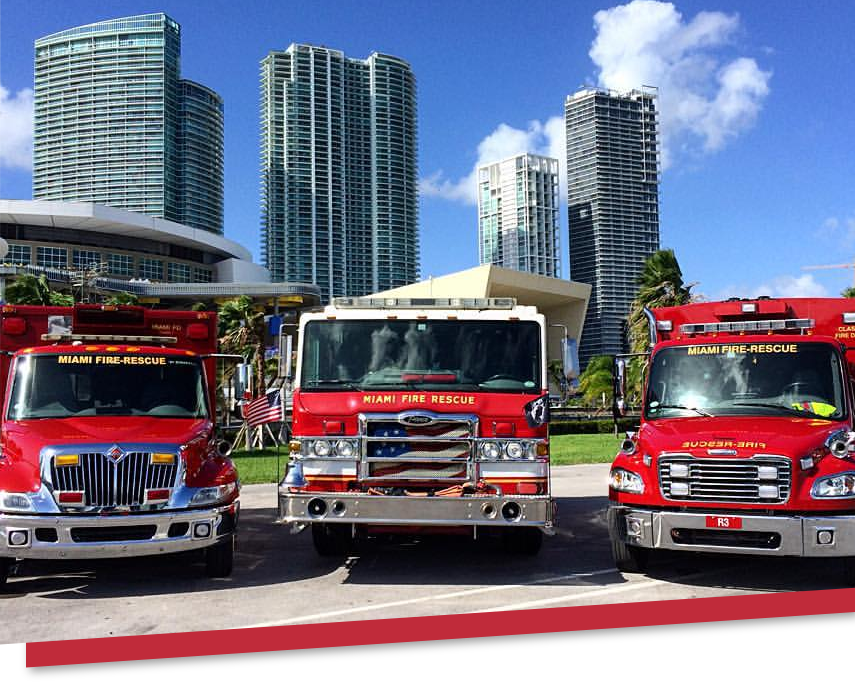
{"x":258,"y":467}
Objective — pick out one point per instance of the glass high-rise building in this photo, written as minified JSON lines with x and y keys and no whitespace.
{"x":518,"y":214}
{"x":613,"y":206}
{"x":116,"y":125}
{"x":339,"y":201}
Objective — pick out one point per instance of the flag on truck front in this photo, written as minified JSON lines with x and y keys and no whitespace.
{"x":264,"y":409}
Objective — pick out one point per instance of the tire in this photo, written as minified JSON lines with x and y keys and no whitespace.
{"x":332,"y":540}
{"x":219,"y":558}
{"x":522,"y":541}
{"x":631,"y":559}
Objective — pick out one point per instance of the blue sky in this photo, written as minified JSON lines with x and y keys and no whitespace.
{"x":756,"y":100}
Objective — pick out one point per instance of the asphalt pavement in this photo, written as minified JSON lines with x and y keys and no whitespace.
{"x":279,"y":579}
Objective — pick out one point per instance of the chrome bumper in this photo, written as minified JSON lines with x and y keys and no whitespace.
{"x":793,"y":535}
{"x":66,"y":548}
{"x":429,"y":511}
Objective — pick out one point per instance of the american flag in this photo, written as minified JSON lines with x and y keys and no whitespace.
{"x":264,"y":409}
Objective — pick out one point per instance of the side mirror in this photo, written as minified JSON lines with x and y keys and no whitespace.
{"x":286,"y":344}
{"x":619,"y":388}
{"x":242,"y":380}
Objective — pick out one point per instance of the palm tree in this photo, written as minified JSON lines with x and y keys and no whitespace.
{"x":848,"y":292}
{"x":242,"y":332}
{"x":27,"y":289}
{"x":660,"y":285}
{"x":596,"y":380}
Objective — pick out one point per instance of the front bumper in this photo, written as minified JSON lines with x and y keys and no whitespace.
{"x":427,"y":511}
{"x":114,"y":536}
{"x":777,"y":535}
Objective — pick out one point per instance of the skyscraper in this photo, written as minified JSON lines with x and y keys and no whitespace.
{"x":613,"y":205}
{"x":339,"y":200}
{"x":518,"y":214}
{"x":116,"y":125}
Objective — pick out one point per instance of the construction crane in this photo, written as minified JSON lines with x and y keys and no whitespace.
{"x":845,"y":266}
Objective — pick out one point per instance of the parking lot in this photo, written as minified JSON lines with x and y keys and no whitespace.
{"x":278,"y":579}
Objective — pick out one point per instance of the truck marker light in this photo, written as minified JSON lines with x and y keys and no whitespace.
{"x":542,"y":449}
{"x":527,"y":488}
{"x":157,"y":495}
{"x":162,"y":458}
{"x":112,"y":348}
{"x":648,"y":459}
{"x":14,"y":326}
{"x":67,"y":460}
{"x":197,"y":331}
{"x":72,"y":497}
{"x":294,"y":445}
{"x":92,"y":348}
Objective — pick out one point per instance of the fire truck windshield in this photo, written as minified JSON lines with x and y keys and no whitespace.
{"x":791,"y":378}
{"x":486,"y":355}
{"x":79,"y":385}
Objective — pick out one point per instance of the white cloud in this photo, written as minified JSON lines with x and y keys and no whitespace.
{"x":705,"y":100}
{"x":838,"y":232}
{"x":783,"y":286}
{"x":542,"y":138}
{"x":16,"y":128}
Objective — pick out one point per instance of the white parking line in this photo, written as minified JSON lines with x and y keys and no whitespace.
{"x":613,"y":589}
{"x":434,"y":597}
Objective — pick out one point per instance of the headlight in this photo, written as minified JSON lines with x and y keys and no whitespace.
{"x":20,"y":503}
{"x":321,"y":448}
{"x":491,"y":450}
{"x":835,"y":487}
{"x":514,"y":450}
{"x":345,"y":448}
{"x":624,"y":480}
{"x":211,"y":495}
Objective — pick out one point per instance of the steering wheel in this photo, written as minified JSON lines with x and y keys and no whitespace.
{"x":799,"y":389}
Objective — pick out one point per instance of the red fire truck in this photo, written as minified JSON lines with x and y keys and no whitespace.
{"x":746,"y":442}
{"x":420,"y":415}
{"x":107,"y":447}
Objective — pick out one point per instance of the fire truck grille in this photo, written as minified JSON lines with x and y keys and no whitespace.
{"x":106,"y":484}
{"x":761,"y":479}
{"x":438,"y":450}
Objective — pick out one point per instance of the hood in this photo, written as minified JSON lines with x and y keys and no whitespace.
{"x":786,"y":436}
{"x":23,"y":440}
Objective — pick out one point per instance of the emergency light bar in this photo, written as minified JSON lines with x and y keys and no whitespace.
{"x":425,"y":303}
{"x":749,"y":326}
{"x":113,"y":338}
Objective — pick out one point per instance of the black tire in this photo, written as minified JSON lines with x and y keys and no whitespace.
{"x":219,"y":558}
{"x":522,"y":541}
{"x":631,"y":559}
{"x":332,"y":540}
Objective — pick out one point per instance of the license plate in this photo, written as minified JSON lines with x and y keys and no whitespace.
{"x":724,"y":522}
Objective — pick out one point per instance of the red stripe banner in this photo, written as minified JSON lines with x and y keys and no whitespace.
{"x":463,"y":626}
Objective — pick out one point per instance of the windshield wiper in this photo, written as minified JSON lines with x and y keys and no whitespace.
{"x":787,"y":409}
{"x":676,"y":407}
{"x":345,"y":383}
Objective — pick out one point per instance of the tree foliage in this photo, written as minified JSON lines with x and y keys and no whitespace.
{"x":848,"y":292}
{"x":27,"y":289}
{"x":596,"y":381}
{"x":242,"y":332}
{"x":123,"y":298}
{"x":660,"y":284}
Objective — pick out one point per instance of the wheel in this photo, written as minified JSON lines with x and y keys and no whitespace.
{"x":331,"y":540}
{"x":219,"y":558}
{"x":524,"y":541}
{"x":627,"y":558}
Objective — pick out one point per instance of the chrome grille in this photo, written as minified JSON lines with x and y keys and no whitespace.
{"x":731,"y":480}
{"x":113,"y":485}
{"x":437,"y":450}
